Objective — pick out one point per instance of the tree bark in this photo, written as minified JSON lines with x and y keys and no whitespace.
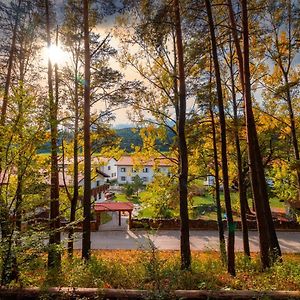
{"x":4,"y":211}
{"x":217,"y":187}
{"x":267,"y":235}
{"x":183,"y":153}
{"x":54,"y":258}
{"x":10,"y":65}
{"x":75,"y":169}
{"x":293,"y":127}
{"x":230,"y":223}
{"x":86,"y":235}
{"x":241,"y":179}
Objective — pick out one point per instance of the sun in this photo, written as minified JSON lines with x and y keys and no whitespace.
{"x":56,"y":55}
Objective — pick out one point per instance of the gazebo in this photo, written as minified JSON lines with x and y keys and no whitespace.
{"x":113,"y":206}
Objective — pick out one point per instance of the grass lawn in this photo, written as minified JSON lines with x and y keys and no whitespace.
{"x":275,"y":203}
{"x":206,"y":208}
{"x":200,"y":200}
{"x":121,"y":198}
{"x":105,"y":217}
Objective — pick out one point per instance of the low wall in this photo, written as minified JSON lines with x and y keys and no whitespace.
{"x":200,"y":224}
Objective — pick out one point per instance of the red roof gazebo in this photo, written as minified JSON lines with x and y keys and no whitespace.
{"x":113,"y":206}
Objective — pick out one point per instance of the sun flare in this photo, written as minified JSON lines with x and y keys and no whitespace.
{"x":56,"y":55}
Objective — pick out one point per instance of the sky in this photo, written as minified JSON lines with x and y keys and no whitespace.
{"x":121,"y":117}
{"x":104,"y":28}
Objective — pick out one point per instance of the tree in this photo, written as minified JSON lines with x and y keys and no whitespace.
{"x":217,"y":187}
{"x":183,"y":153}
{"x":54,"y":238}
{"x":244,"y":208}
{"x":231,"y":229}
{"x":137,"y":184}
{"x":157,"y":35}
{"x":10,"y":64}
{"x":162,"y":196}
{"x":267,"y":235}
{"x":86,"y":235}
{"x":282,"y":47}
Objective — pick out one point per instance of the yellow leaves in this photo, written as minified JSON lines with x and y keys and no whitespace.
{"x":195,"y":70}
{"x":286,"y":131}
{"x":266,"y":123}
{"x":47,"y":136}
{"x":283,"y":44}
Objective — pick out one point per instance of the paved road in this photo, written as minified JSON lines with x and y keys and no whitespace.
{"x":113,"y":236}
{"x":170,"y":240}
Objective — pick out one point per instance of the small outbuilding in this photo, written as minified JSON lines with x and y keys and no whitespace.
{"x":113,"y":207}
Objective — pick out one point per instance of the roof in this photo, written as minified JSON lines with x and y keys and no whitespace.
{"x":94,"y":160}
{"x":102,"y":173}
{"x":100,"y":160}
{"x":67,"y":178}
{"x":113,"y":206}
{"x":131,"y":161}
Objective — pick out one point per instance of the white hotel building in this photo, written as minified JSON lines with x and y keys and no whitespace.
{"x":127,"y":167}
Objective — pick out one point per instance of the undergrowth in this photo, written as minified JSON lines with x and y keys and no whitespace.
{"x":159,"y":271}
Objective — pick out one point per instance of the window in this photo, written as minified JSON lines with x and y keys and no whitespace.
{"x":123,"y":170}
{"x":108,"y":168}
{"x":133,"y":170}
{"x":98,"y":182}
{"x":145,"y":170}
{"x":123,"y":178}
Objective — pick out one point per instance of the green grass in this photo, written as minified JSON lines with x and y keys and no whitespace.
{"x":147,"y":212}
{"x":200,"y":200}
{"x":105,"y":217}
{"x":121,"y":198}
{"x":275,"y":203}
{"x":205,"y":204}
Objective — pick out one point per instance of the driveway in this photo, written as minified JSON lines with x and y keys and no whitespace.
{"x":170,"y":240}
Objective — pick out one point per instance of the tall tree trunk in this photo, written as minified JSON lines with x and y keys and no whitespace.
{"x":54,"y":258}
{"x":267,"y":235}
{"x":230,"y":224}
{"x":183,"y":153}
{"x":241,"y":179}
{"x":10,"y":65}
{"x":217,"y":187}
{"x":254,"y":152}
{"x":293,"y":127}
{"x":4,"y":212}
{"x":86,"y":235}
{"x":75,"y":169}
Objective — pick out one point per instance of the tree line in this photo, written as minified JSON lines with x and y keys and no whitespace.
{"x":220,"y":78}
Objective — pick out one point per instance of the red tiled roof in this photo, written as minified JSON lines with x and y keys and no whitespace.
{"x":131,"y":161}
{"x":113,"y":206}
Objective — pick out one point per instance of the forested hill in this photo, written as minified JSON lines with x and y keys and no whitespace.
{"x":131,"y":137}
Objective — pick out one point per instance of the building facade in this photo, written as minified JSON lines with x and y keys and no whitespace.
{"x":128,"y":168}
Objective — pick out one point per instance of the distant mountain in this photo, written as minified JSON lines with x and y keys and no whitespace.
{"x":131,"y":137}
{"x":123,"y":125}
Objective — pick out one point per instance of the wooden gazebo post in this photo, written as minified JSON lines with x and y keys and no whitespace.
{"x":119,"y":218}
{"x":129,"y":221}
